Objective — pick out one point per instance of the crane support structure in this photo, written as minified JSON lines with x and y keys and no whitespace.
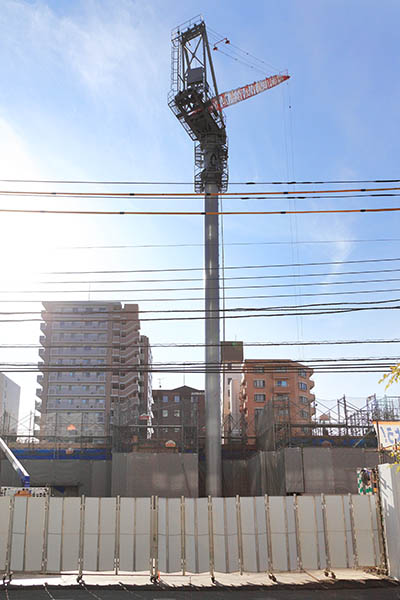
{"x":16,"y":465}
{"x":195,"y":101}
{"x":193,"y":87}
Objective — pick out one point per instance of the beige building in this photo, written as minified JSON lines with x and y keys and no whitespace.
{"x":285,"y":384}
{"x":9,"y":405}
{"x":94,"y":369}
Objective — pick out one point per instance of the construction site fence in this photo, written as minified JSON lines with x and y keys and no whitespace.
{"x":189,"y":535}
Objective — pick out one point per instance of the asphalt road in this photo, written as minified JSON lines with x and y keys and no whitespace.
{"x":380,"y":590}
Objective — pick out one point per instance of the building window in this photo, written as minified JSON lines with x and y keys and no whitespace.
{"x":281,"y":369}
{"x":303,"y":386}
{"x":177,"y":399}
{"x":257,"y":416}
{"x":259,"y":369}
{"x":282,"y":398}
{"x":177,"y":429}
{"x":283,"y":412}
{"x":302,"y":373}
{"x":165,"y":413}
{"x":282,"y":382}
{"x":259,"y":397}
{"x":259,"y":383}
{"x":165,"y":398}
{"x":304,"y":414}
{"x":304,"y":400}
{"x":177,"y":412}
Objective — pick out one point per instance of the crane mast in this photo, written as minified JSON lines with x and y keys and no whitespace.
{"x":195,"y":101}
{"x":192,"y":90}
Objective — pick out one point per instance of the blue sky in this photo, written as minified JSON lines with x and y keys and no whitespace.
{"x":84,"y":97}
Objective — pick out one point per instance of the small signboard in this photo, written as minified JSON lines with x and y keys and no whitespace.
{"x":388,"y":434}
{"x":36,"y":492}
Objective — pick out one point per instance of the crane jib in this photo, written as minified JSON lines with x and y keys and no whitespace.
{"x":247,"y":91}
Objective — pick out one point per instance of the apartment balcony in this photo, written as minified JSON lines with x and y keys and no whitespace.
{"x":43,"y":340}
{"x":43,"y":327}
{"x":39,"y":379}
{"x":42,"y":352}
{"x":311,"y":383}
{"x":39,"y":392}
{"x":36,"y":419}
{"x":38,"y":405}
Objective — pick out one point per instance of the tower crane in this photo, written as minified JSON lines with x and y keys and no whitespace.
{"x":195,"y":101}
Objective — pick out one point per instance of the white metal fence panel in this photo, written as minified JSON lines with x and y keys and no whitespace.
{"x":54,"y":535}
{"x":127,"y":539}
{"x":366,"y":530}
{"x":17,"y":562}
{"x":71,"y":527}
{"x":108,"y":515}
{"x":36,"y":509}
{"x":169,"y":535}
{"x":253,"y":534}
{"x":308,"y":532}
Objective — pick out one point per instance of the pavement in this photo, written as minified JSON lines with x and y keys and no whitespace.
{"x":310,"y":585}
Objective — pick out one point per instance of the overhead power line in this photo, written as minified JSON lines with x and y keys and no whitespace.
{"x":229,"y":267}
{"x":194,"y":213}
{"x":130,"y":182}
{"x":308,"y":312}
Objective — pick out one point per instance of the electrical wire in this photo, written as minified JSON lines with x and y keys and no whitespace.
{"x":195,"y":213}
{"x":222,"y":278}
{"x":129,"y":182}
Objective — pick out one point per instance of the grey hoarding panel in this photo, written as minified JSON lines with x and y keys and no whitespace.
{"x":18,"y":534}
{"x":294,"y":470}
{"x":107,"y":529}
{"x":249,"y":541}
{"x":219,"y":535}
{"x":291,"y":533}
{"x":390,"y":499}
{"x":364,"y":531}
{"x":127,"y":546}
{"x":169,"y":535}
{"x":318,"y":471}
{"x":91,"y":535}
{"x":308,"y":532}
{"x":70,"y":538}
{"x":34,"y":537}
{"x":231,"y":535}
{"x":196,"y":535}
{"x":336,"y":532}
{"x":202,"y":535}
{"x":278,"y":533}
{"x":54,"y":534}
{"x":261,"y":527}
{"x":4,"y":529}
{"x":142,"y":554}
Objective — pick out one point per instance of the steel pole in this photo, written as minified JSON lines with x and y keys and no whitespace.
{"x":212,"y":350}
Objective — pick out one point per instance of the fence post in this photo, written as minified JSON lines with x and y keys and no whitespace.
{"x":239,"y":533}
{"x":9,"y":539}
{"x":353,"y":532}
{"x":117,"y":534}
{"x":328,"y":568}
{"x":381,"y":528}
{"x":81,"y":538}
{"x":183,"y":536}
{"x":45,"y":534}
{"x":297,"y":532}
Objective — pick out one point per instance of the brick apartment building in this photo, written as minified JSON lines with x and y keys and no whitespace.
{"x":285,"y":383}
{"x":94,"y":369}
{"x":179,"y":416}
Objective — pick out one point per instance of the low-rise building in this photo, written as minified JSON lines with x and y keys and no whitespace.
{"x":178,"y":416}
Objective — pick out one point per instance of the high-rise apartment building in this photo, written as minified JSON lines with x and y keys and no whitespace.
{"x":95,"y":369}
{"x":232,"y":359}
{"x":9,"y":405}
{"x":285,"y":384}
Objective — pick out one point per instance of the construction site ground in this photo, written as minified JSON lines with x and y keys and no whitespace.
{"x":348,"y":584}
